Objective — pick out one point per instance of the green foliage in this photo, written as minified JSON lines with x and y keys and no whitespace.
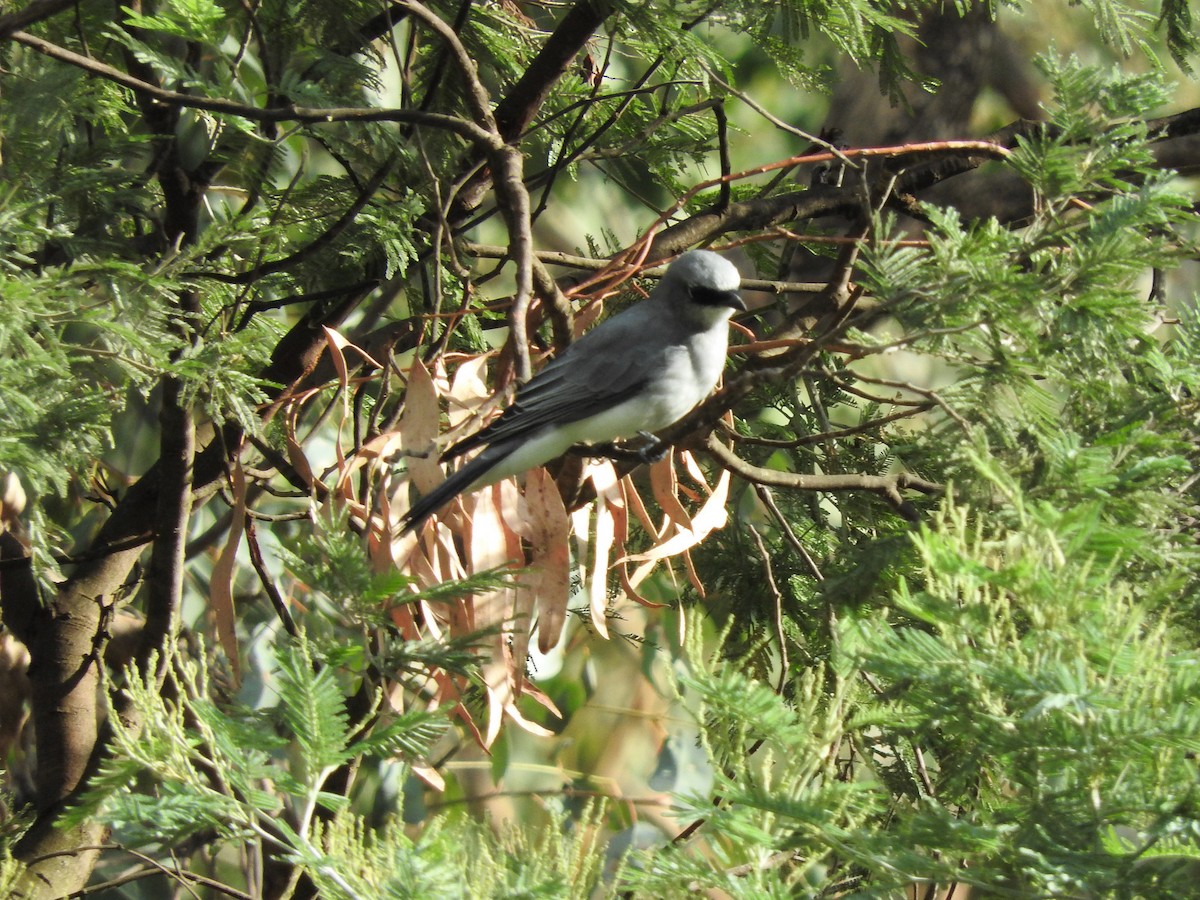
{"x":10,"y":871}
{"x":1176,"y":17}
{"x":1020,"y":714}
{"x":1021,"y":708}
{"x":1061,"y":712}
{"x":865,"y":33}
{"x":192,"y":19}
{"x":259,"y":777}
{"x":66,"y":365}
{"x":348,"y":861}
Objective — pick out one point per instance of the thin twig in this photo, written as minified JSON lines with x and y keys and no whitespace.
{"x":769,"y":572}
{"x":834,"y":434}
{"x":775,"y":120}
{"x":264,"y":577}
{"x":768,"y":500}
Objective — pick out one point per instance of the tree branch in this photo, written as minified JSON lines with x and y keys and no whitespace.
{"x":164,"y":579}
{"x":507,"y":165}
{"x":888,"y":486}
{"x":290,"y":113}
{"x":520,"y":105}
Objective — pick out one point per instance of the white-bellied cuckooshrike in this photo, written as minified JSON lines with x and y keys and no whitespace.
{"x":638,"y":372}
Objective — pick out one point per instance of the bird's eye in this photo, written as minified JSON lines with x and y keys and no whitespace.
{"x":711,"y":296}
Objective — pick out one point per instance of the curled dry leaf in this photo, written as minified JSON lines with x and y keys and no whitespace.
{"x":548,"y":583}
{"x":638,"y":506}
{"x":492,"y":545}
{"x":468,"y":392}
{"x":665,"y":487}
{"x":14,"y":692}
{"x":529,"y":725}
{"x":499,"y":695}
{"x":712,"y":515}
{"x":489,"y":550}
{"x":608,"y":504}
{"x":419,"y":428}
{"x":295,"y":452}
{"x":336,"y":343}
{"x":586,"y":318}
{"x":430,"y":776}
{"x":514,"y":511}
{"x":12,"y":499}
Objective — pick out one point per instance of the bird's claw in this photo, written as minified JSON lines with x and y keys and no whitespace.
{"x":655,"y":449}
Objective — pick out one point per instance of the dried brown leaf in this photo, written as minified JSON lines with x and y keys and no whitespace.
{"x":549,"y":581}
{"x":295,"y":452}
{"x":608,"y":502}
{"x":468,"y":391}
{"x":14,"y":692}
{"x":12,"y":499}
{"x":666,"y":491}
{"x":711,"y":516}
{"x":419,"y":428}
{"x":430,"y":776}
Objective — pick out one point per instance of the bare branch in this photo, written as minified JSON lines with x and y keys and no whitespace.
{"x":888,"y":486}
{"x":777,"y":596}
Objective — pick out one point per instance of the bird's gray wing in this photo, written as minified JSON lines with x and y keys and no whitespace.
{"x":602,"y":369}
{"x":455,"y":484}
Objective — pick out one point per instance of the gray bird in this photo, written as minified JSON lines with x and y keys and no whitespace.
{"x":638,"y":372}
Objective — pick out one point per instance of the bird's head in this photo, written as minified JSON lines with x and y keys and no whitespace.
{"x":704,"y":285}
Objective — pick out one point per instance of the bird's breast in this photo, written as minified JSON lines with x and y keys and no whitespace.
{"x":687,"y":377}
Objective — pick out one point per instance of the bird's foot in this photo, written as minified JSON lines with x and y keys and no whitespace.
{"x":650,"y":452}
{"x":654,"y":450}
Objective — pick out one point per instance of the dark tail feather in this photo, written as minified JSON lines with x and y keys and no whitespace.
{"x":454,"y":485}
